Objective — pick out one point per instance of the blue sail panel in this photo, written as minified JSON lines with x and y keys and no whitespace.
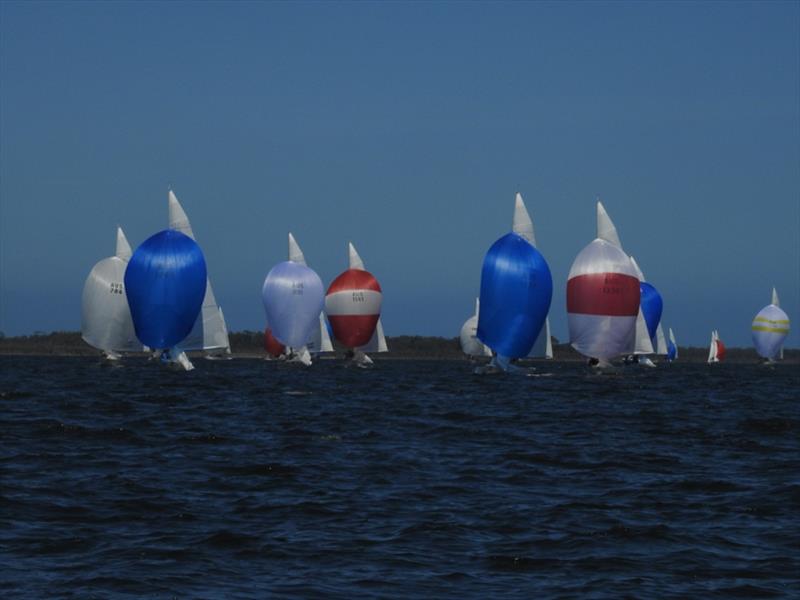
{"x":672,"y":351}
{"x":165,"y":283}
{"x":293,"y":298}
{"x":516,"y":290}
{"x":652,"y":305}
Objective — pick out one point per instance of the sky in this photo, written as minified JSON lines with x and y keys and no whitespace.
{"x":406,"y":128}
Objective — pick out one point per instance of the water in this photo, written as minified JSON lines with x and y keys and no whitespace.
{"x":248,"y":479}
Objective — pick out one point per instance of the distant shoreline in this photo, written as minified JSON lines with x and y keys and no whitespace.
{"x":249,"y":344}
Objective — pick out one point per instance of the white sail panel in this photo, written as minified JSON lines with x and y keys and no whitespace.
{"x":355,"y":261}
{"x":106,"y":322}
{"x":770,"y":328}
{"x":177,"y":216}
{"x":123,"y":247}
{"x":295,"y":253}
{"x":522,"y":224}
{"x":661,"y":342}
{"x":605,"y":227}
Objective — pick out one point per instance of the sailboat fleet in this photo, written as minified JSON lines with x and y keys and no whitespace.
{"x":159,"y":299}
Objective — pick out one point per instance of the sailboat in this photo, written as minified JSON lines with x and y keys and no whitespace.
{"x":522,"y":225}
{"x":603,"y":297}
{"x":209,"y":332}
{"x":672,"y":347}
{"x":516,"y":290}
{"x":470,"y":344}
{"x":293,"y":298}
{"x":106,"y":322}
{"x":770,"y":328}
{"x":716,"y":349}
{"x":353,"y":304}
{"x":165,"y":282}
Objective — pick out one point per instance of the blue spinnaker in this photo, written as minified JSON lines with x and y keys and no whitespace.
{"x":293,"y":298}
{"x":652,"y":306}
{"x":516,"y":289}
{"x":165,"y":283}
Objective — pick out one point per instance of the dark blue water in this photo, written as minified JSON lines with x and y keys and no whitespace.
{"x":248,"y":479}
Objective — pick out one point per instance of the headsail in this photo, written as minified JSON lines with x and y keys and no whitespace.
{"x":605,"y":227}
{"x":643,"y":343}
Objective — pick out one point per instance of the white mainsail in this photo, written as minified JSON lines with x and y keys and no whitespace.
{"x":377,"y":343}
{"x":522,"y":225}
{"x":106,"y":322}
{"x":643,"y":344}
{"x":209,"y":331}
{"x":712,"y":348}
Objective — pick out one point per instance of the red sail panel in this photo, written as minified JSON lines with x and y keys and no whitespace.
{"x":271,"y":345}
{"x":603,"y":294}
{"x":354,"y":279}
{"x":720,"y":350}
{"x":353,"y":330}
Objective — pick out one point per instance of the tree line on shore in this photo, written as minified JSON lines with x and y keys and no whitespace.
{"x":251,"y":343}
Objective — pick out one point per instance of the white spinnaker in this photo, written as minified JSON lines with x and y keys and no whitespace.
{"x":377,"y":343}
{"x":320,"y":340}
{"x":602,"y":336}
{"x":770,"y":328}
{"x":209,"y":331}
{"x":106,"y":322}
{"x":522,"y":225}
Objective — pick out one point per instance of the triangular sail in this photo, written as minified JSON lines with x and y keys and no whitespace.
{"x":355,"y":261}
{"x":661,"y":343}
{"x":209,"y":331}
{"x":605,"y":227}
{"x":642,"y":344}
{"x":775,"y":300}
{"x":712,"y":348}
{"x":123,"y":247}
{"x":295,"y":253}
{"x":523,"y":224}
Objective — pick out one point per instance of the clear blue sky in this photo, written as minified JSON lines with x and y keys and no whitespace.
{"x":406,"y":128}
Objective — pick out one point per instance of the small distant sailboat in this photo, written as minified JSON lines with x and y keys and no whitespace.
{"x":716,"y":350}
{"x":672,"y":347}
{"x":165,"y":282}
{"x":293,"y":298}
{"x":470,"y":344}
{"x":516,"y":290}
{"x":603,"y":297}
{"x":353,"y":304}
{"x":770,"y":328}
{"x":106,"y":322}
{"x":209,"y":333}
